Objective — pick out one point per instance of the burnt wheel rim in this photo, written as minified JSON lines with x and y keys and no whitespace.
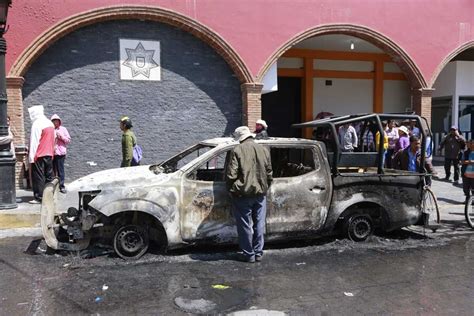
{"x":131,"y":242}
{"x":361,"y":228}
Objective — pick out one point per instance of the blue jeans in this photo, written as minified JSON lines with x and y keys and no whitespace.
{"x":58,"y":165}
{"x":250,"y":213}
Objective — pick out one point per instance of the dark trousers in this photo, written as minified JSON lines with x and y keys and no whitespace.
{"x":42,"y":173}
{"x":250,"y":214}
{"x":388,"y":158}
{"x":468,"y":186}
{"x":58,"y":166}
{"x":447,"y":168}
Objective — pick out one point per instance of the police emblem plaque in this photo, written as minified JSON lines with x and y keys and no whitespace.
{"x":139,"y":60}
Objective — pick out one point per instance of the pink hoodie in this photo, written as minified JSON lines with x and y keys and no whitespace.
{"x":62,"y":138}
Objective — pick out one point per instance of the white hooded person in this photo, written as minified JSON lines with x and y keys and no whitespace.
{"x":62,"y":140}
{"x":41,"y":151}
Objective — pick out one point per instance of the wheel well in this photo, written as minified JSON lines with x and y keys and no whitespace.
{"x":377,"y":212}
{"x":156,"y":230}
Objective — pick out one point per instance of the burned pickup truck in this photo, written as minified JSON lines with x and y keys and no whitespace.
{"x":317,"y":190}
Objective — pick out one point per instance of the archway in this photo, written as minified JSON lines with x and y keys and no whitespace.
{"x":453,"y":92}
{"x":385,"y":51}
{"x":188,"y":101}
{"x":149,"y":13}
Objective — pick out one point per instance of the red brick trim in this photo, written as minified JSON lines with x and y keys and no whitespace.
{"x":422,"y":102}
{"x":448,"y":58}
{"x":70,"y":24}
{"x":251,"y":103}
{"x":398,"y":55}
{"x":15,"y":82}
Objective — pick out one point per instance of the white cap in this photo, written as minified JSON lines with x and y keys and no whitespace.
{"x":263,"y":123}
{"x":403,"y":129}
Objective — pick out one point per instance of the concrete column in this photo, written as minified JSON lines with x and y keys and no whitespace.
{"x":17,"y":126}
{"x":251,"y":103}
{"x":422,"y":102}
{"x":455,"y":111}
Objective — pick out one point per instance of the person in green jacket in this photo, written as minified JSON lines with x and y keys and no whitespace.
{"x":249,"y":175}
{"x":129,"y":140}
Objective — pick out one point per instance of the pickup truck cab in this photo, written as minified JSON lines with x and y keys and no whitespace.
{"x":184,"y":199}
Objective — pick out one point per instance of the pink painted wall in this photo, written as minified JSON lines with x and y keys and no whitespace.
{"x":428,"y":30}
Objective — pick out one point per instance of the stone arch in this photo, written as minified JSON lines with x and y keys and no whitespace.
{"x":399,"y":56}
{"x":155,"y":14}
{"x":448,"y":58}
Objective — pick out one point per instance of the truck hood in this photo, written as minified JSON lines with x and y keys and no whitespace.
{"x":119,"y":177}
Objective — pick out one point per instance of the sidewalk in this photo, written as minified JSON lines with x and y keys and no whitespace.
{"x":25,"y":220}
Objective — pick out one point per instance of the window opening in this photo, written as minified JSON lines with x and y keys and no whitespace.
{"x":291,"y":162}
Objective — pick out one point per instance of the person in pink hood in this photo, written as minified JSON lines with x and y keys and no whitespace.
{"x":62,"y":140}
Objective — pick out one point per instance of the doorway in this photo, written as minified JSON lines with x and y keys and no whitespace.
{"x":282,"y":108}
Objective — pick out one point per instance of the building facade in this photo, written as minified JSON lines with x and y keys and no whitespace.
{"x":188,"y":70}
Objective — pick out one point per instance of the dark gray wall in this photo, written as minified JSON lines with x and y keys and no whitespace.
{"x":79,"y":79}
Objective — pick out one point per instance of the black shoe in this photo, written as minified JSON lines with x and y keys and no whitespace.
{"x":62,"y":190}
{"x":248,"y":259}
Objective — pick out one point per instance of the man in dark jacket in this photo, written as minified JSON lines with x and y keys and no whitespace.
{"x":453,"y":143}
{"x":408,"y":158}
{"x":249,"y":175}
{"x":261,"y":129}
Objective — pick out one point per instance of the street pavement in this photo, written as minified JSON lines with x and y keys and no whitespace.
{"x":407,"y":272}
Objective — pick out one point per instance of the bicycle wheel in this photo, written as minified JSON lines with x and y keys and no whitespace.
{"x":469,"y":211}
{"x":430,"y":208}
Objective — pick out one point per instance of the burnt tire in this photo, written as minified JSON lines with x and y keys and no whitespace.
{"x":358,"y":227}
{"x":131,"y":242}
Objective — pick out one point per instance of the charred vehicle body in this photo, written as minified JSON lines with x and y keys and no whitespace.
{"x":317,"y":190}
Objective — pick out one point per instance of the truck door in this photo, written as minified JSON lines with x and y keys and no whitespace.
{"x":300,"y":194}
{"x":206,"y":208}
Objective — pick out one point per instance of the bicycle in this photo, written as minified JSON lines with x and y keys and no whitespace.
{"x":430,"y":209}
{"x":469,"y":211}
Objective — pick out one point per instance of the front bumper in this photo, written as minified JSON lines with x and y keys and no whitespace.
{"x":51,"y":221}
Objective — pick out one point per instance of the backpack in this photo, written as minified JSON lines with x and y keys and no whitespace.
{"x":137,"y":155}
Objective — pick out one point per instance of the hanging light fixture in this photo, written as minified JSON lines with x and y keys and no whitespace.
{"x":352,"y":45}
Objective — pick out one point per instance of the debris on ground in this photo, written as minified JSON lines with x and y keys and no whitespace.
{"x":220,"y":286}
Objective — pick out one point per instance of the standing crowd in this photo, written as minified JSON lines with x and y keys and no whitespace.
{"x":47,"y":150}
{"x":402,"y":149}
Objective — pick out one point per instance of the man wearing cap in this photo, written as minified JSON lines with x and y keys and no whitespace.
{"x":453,"y":143}
{"x":128,"y":141}
{"x":261,"y":129}
{"x":249,"y":175}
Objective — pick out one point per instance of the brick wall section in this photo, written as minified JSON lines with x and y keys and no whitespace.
{"x":422,"y":102}
{"x":78,"y":78}
{"x":15,"y":111}
{"x":252,"y":103}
